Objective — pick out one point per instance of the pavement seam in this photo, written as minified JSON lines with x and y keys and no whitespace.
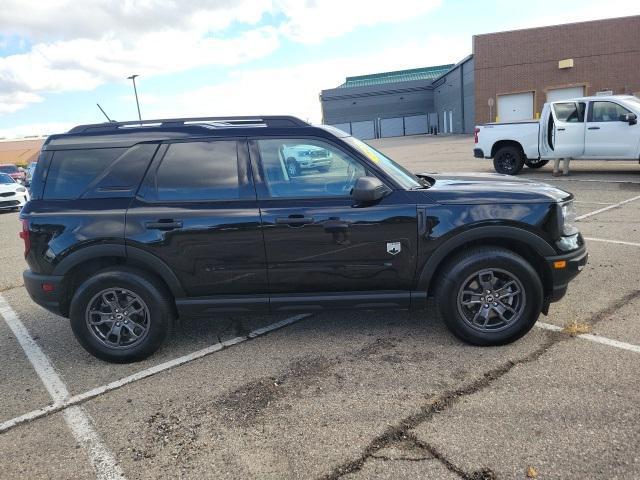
{"x":402,"y":431}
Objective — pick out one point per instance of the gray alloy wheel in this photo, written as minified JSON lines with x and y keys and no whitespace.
{"x":118,"y":318}
{"x":292,"y":167}
{"x":491,"y":300}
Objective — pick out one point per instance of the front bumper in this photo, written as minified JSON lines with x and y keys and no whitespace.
{"x":315,"y":163}
{"x":573,"y":263}
{"x":49,"y":299}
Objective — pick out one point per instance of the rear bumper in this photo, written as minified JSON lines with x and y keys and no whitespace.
{"x":478,"y":153}
{"x":50,"y":300}
{"x":574,"y":263}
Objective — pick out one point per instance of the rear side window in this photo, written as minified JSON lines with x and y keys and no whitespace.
{"x":97,"y":173}
{"x":196,"y":171}
{"x":71,"y":171}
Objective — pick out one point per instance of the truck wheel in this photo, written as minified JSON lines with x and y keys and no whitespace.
{"x":538,"y":164}
{"x":489,"y":296}
{"x":508,"y":160}
{"x":292,"y":167}
{"x":121,"y":314}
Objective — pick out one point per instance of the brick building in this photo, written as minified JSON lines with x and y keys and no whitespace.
{"x":522,"y":69}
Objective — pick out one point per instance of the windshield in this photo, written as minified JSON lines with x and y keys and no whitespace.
{"x":4,"y":178}
{"x":8,"y":168}
{"x":635,"y":100}
{"x":400,"y":174}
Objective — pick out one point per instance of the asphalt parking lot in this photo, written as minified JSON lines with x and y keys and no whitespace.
{"x":363,"y":395}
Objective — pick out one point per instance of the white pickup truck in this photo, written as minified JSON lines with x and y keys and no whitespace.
{"x":589,"y":128}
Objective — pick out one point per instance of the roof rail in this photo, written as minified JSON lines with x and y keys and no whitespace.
{"x":210,"y":122}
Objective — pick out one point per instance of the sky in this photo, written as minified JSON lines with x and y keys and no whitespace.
{"x":232,"y":57}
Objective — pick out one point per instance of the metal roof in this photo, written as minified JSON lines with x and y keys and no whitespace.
{"x":424,"y":73}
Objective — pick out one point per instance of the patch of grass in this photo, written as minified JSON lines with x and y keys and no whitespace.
{"x":576,"y":328}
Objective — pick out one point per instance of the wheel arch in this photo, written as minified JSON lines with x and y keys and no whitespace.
{"x":79,"y":265}
{"x":507,"y":143}
{"x":523,"y":242}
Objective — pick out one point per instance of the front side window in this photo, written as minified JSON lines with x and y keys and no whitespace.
{"x":307,"y":168}
{"x":607,"y":112}
{"x":196,"y":171}
{"x":569,"y":112}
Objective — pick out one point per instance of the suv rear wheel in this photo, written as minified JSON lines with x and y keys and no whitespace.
{"x":293,"y":169}
{"x":489,"y":296}
{"x":508,"y":160}
{"x":121,"y":314}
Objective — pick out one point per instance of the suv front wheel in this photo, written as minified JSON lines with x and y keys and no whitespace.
{"x":489,"y":296}
{"x":121,"y":314}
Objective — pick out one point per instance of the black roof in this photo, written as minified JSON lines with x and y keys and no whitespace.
{"x":122,"y":134}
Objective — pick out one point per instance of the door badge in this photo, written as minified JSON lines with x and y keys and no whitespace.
{"x":394,"y":248}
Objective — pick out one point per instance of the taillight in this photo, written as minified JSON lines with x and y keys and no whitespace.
{"x":24,"y":235}
{"x":476,"y":131}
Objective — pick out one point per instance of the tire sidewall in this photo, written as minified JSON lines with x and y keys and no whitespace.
{"x":515,"y":265}
{"x":142,"y":286}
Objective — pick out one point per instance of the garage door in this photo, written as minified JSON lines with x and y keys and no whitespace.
{"x":558,"y":94}
{"x":391,"y":127}
{"x":345,"y":127}
{"x":514,"y":107}
{"x":416,"y":124}
{"x":363,"y":130}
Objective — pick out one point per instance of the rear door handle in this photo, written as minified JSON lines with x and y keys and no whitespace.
{"x":164,"y":224}
{"x":294,"y":220}
{"x":593,"y":128}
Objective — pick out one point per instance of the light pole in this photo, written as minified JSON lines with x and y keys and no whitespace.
{"x":135,"y":91}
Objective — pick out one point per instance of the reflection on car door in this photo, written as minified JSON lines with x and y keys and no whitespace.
{"x":317,"y":241}
{"x":607,"y":135}
{"x":197,"y":212}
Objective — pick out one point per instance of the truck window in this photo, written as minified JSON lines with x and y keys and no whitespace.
{"x":569,"y":112}
{"x":607,"y":112}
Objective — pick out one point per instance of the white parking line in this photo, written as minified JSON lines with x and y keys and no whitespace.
{"x":104,"y":463}
{"x":604,"y":209}
{"x":593,"y":338}
{"x":148,"y":372}
{"x":591,"y":180}
{"x":619,"y":242}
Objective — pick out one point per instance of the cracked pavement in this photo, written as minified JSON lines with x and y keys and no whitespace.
{"x":359,"y":395}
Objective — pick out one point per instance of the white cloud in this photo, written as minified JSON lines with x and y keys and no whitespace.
{"x":313,"y":21}
{"x":294,"y":90}
{"x":43,"y":128}
{"x":81,"y":45}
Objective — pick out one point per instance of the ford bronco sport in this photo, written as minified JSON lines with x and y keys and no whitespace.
{"x":132,"y":225}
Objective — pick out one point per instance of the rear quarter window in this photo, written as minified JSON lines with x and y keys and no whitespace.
{"x":97,"y":173}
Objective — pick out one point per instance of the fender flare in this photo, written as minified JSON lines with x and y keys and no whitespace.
{"x":134,"y":256}
{"x":537,"y":243}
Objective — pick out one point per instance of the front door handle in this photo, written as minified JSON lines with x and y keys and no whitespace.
{"x":561,"y":129}
{"x":593,"y":128}
{"x":164,"y":224}
{"x":294,"y":220}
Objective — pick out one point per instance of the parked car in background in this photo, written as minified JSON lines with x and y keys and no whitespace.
{"x":13,"y":196}
{"x":29,"y":173}
{"x":588,"y":128}
{"x":301,"y":158}
{"x":190,"y":217}
{"x":14,"y":172}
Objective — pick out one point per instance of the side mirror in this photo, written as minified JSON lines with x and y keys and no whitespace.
{"x":630,"y":118}
{"x":369,"y":189}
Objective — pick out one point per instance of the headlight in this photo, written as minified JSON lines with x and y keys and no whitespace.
{"x":567,"y":219}
{"x":21,"y":189}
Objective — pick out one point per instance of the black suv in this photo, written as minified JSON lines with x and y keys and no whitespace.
{"x":134,"y":224}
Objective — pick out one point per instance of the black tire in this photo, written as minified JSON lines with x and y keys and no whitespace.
{"x":293,"y":169}
{"x":459,"y":318}
{"x":508,"y":160}
{"x":538,"y":164}
{"x":151,"y":293}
